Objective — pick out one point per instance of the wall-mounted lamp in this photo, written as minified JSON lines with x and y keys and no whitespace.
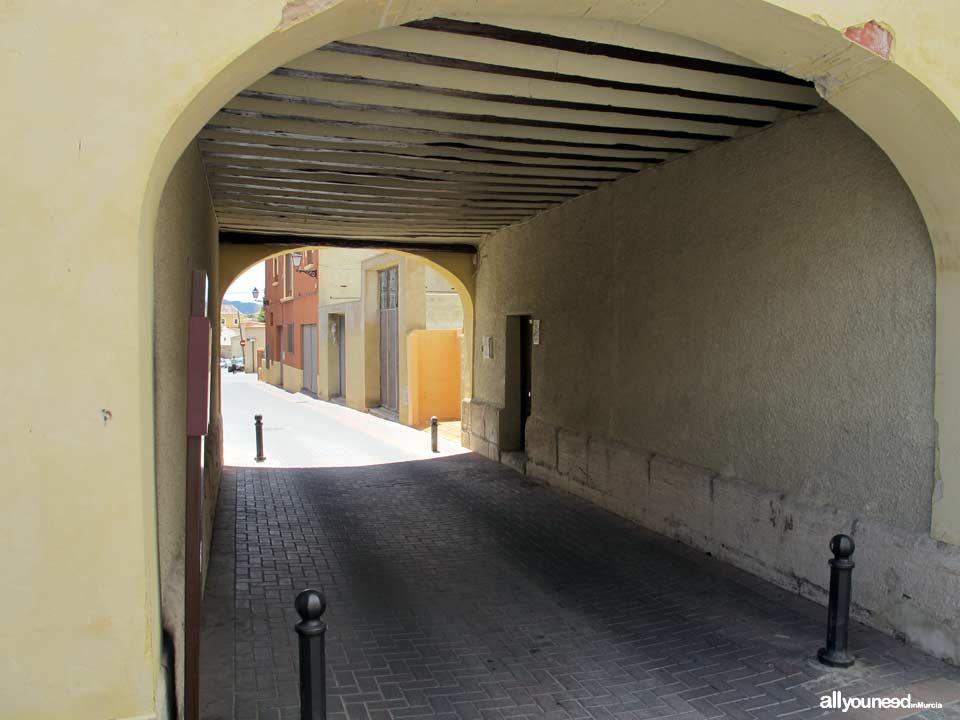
{"x":297,"y":259}
{"x":256,"y":293}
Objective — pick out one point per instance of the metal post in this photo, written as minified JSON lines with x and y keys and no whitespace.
{"x":838,"y":610}
{"x":433,"y":433}
{"x":312,"y":630}
{"x":258,"y":426}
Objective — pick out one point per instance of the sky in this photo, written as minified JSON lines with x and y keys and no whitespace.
{"x":240,"y":290}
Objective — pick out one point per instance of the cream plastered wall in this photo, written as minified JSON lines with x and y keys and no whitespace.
{"x":763,"y":308}
{"x":353,"y":354}
{"x":186,"y":240}
{"x":411,"y":315}
{"x":135,"y":81}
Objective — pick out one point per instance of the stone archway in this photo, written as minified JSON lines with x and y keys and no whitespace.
{"x":894,"y":100}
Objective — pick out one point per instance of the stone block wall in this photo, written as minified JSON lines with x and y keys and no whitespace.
{"x":480,"y":428}
{"x":905,"y":583}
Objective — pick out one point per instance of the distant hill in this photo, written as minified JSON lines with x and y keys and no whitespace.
{"x":247,"y":308}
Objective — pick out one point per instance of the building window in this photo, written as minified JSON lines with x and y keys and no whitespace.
{"x":276,"y":268}
{"x":288,"y":275}
{"x":236,"y":321}
{"x":223,"y":322}
{"x":290,"y":337}
{"x":388,"y":288}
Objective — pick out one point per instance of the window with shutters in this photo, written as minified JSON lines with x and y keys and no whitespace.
{"x":290,"y":337}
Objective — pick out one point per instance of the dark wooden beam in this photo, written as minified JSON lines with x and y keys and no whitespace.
{"x":233,"y":237}
{"x":510,"y":71}
{"x":443,"y":159}
{"x":261,"y":195}
{"x":589,"y":47}
{"x":351,"y":195}
{"x":379,"y":127}
{"x":360,"y":144}
{"x":481,"y":118}
{"x":448,"y":188}
{"x":340,"y":166}
{"x":708,"y":118}
{"x":503,"y":182}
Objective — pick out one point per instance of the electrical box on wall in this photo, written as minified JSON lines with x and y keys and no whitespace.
{"x":486,"y":347}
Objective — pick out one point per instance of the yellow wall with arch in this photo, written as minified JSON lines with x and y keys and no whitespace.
{"x":134,"y":83}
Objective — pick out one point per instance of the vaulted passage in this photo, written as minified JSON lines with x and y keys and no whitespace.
{"x":694,"y":296}
{"x":446,"y":129}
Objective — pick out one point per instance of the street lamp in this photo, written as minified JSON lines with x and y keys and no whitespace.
{"x":297,"y":259}
{"x":256,"y":293}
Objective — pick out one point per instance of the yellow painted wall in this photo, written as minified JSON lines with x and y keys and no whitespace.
{"x":270,"y":374}
{"x":134,"y":83}
{"x":186,"y":241}
{"x":292,"y":378}
{"x":433,"y":363}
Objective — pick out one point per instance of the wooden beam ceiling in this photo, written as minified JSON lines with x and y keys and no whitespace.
{"x":374,"y":140}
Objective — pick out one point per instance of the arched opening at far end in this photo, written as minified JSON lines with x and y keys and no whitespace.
{"x":320,"y":326}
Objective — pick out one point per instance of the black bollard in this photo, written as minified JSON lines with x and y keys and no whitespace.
{"x":433,"y":433}
{"x":312,"y":630}
{"x":838,"y":610}
{"x":258,"y":426}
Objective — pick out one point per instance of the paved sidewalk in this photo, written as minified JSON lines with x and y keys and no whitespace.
{"x":458,"y":589}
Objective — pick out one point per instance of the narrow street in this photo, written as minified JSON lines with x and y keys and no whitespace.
{"x":459,"y":589}
{"x":300,"y":431}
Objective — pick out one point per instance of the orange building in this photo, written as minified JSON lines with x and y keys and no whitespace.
{"x":290,"y":312}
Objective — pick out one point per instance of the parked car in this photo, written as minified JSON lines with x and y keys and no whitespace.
{"x":236,"y":365}
{"x":224,"y":362}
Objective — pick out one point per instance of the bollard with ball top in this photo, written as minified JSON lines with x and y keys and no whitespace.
{"x":433,"y":434}
{"x":838,"y":610}
{"x":312,"y":630}
{"x":258,"y":430}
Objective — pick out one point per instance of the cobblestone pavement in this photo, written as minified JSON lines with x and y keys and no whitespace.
{"x":460,"y":590}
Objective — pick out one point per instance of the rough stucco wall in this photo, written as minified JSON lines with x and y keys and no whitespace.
{"x":764,"y":308}
{"x":186,"y":240}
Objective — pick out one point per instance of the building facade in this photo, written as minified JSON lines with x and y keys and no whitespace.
{"x":290,"y":318}
{"x":391,"y":330}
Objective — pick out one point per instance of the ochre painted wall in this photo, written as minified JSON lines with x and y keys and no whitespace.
{"x":433,"y":362}
{"x":186,"y":241}
{"x":763,"y":308}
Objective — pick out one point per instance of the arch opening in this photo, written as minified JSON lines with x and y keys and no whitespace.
{"x":855,"y":80}
{"x":386,"y":140}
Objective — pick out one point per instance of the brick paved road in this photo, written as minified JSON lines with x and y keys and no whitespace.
{"x":460,"y":590}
